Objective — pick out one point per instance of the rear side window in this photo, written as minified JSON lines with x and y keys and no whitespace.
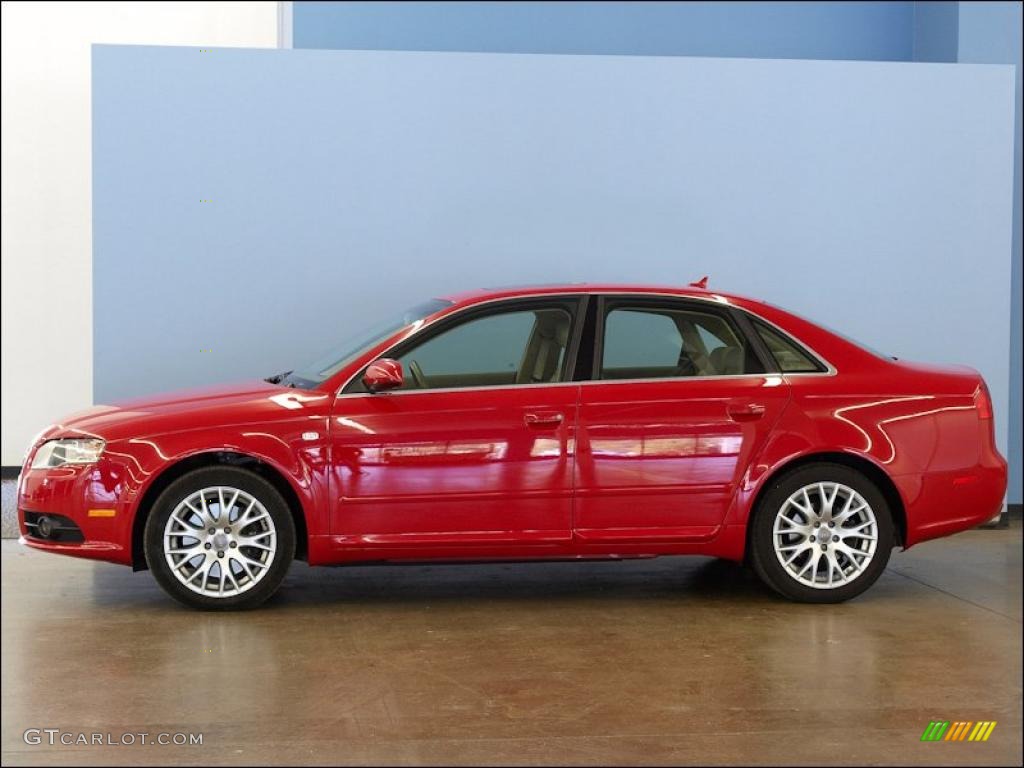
{"x":790,"y":356}
{"x":654,"y":341}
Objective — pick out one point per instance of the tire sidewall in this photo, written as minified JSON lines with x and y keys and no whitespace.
{"x":767,"y":564}
{"x":194,"y":481}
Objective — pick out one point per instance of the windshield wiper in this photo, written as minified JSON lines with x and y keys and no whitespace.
{"x":277,"y":378}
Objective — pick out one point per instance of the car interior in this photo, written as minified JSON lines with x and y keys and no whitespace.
{"x":680,"y":343}
{"x":529,"y":346}
{"x":524,"y":347}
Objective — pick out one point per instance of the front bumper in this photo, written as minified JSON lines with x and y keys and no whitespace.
{"x":87,"y":504}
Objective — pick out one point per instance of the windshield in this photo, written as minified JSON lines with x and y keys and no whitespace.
{"x":344,"y":353}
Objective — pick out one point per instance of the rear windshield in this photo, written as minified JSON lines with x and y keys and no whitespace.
{"x":860,"y":345}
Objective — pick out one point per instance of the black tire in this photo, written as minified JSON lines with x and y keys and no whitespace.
{"x":762,"y":551}
{"x":232,"y":477}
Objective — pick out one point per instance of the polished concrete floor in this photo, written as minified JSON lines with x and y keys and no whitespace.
{"x":671,"y":661}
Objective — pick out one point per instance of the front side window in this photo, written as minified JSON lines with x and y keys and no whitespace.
{"x":790,"y":356}
{"x":665,"y":341}
{"x":525,"y":346}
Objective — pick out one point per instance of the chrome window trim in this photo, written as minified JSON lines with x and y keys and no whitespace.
{"x":711,"y":299}
{"x":590,"y":382}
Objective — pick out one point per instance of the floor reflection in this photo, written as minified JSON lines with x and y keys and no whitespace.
{"x":596,"y":663}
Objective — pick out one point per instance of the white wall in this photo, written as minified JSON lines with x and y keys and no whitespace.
{"x":47,"y":201}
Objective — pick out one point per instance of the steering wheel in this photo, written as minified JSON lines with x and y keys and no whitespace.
{"x":417,"y":374}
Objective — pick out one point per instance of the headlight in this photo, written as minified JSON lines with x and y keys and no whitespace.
{"x":57,"y":453}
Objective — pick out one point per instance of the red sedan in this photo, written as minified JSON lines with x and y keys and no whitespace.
{"x":569,"y":422}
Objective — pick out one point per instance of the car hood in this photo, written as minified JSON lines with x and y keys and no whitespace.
{"x":205,"y":406}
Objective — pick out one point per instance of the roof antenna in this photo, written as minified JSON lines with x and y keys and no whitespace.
{"x":702,"y":283}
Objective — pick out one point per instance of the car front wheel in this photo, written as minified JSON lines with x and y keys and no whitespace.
{"x":220,"y":538}
{"x":821,"y":534}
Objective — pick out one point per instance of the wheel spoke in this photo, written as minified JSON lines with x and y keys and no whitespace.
{"x":243,"y":519}
{"x":851,"y":555}
{"x":201,"y":570}
{"x":206,"y":510}
{"x":865,"y":536}
{"x":827,"y":501}
{"x":226,"y":568}
{"x":252,"y":560}
{"x":244,"y":566}
{"x":850,"y":512}
{"x":797,"y":545}
{"x":855,"y":529}
{"x":193,"y":550}
{"x":791,"y":524}
{"x":803,"y":548}
{"x":811,"y":564}
{"x":807,"y":502}
{"x":256,"y":540}
{"x":184,"y":561}
{"x":181,"y":528}
{"x":250,"y":522}
{"x":231,"y":505}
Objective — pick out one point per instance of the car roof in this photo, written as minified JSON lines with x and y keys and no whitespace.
{"x":559,"y":289}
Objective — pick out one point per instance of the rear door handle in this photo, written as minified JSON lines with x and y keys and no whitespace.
{"x":542,"y":419}
{"x":745,"y":411}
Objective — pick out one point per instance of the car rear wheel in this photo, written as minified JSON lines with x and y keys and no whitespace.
{"x":821,"y":534}
{"x":220,"y":538}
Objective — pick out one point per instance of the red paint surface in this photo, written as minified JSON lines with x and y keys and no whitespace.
{"x":577,"y":469}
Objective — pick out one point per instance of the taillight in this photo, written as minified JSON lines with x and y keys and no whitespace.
{"x":983,"y":402}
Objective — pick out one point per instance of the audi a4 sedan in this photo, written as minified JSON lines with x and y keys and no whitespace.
{"x":553,"y":423}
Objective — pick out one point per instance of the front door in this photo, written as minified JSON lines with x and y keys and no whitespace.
{"x":680,"y":404}
{"x":475,"y":450}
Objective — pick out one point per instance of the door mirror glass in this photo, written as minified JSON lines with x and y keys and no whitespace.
{"x":382,"y":375}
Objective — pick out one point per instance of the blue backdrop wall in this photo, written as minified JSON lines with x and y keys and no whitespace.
{"x":797,"y":30}
{"x":251,"y":206}
{"x":990,"y":33}
{"x":924,"y":30}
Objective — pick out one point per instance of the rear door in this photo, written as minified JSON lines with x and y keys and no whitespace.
{"x":679,"y":402}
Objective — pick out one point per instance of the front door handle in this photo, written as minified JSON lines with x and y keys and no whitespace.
{"x":543,"y":419}
{"x":745,"y":411}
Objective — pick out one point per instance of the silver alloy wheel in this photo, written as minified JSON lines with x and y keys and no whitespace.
{"x":825,"y":535}
{"x":220,"y":541}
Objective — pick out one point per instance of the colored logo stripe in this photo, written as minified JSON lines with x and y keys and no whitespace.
{"x":956,"y":731}
{"x":982,"y":731}
{"x":959,"y":730}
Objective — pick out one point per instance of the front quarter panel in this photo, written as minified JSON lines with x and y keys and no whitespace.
{"x":287,"y":433}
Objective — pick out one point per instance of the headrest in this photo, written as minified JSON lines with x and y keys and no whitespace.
{"x":727,"y":360}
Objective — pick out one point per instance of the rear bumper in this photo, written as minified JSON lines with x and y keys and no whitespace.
{"x":942,"y":503}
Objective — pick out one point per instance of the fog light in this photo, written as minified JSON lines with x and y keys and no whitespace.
{"x":44,"y":527}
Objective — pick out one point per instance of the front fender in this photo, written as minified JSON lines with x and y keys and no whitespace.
{"x":299,"y":455}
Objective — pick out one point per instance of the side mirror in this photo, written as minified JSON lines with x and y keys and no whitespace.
{"x":383,"y":374}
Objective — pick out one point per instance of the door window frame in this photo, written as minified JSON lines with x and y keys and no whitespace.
{"x":736,"y":319}
{"x":574,"y":304}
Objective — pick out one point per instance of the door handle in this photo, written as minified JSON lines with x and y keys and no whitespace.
{"x":545,"y":419}
{"x":745,"y":411}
